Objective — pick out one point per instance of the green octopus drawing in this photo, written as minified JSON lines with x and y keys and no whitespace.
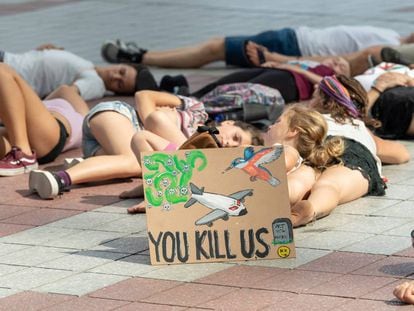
{"x":168,"y":177}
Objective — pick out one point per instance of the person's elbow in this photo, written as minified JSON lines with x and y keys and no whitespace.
{"x":404,"y":156}
{"x":400,"y":157}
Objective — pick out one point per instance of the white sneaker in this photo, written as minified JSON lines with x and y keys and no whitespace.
{"x":45,"y":184}
{"x":69,"y":162}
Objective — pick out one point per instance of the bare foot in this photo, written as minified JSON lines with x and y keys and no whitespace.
{"x":302,"y":213}
{"x":137,"y":192}
{"x":252,"y":52}
{"x":137,"y":209}
{"x":405,"y":292}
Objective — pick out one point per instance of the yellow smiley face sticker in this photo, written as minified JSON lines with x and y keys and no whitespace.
{"x":283,"y":251}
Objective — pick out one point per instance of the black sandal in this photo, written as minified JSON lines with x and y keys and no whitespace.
{"x":260,"y":55}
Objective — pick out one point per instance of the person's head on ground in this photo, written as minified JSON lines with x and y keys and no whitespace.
{"x":344,"y":99}
{"x":126,"y":79}
{"x":234,"y":133}
{"x":338,"y":64}
{"x":305,"y":129}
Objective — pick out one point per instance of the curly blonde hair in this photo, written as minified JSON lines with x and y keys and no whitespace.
{"x":312,"y":143}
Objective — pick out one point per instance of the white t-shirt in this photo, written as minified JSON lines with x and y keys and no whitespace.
{"x":368,"y":77}
{"x":46,"y":70}
{"x":343,"y":39}
{"x":357,"y":132}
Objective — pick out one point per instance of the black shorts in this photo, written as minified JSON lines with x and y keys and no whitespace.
{"x":53,"y":154}
{"x":357,"y":157}
{"x":394,"y":108}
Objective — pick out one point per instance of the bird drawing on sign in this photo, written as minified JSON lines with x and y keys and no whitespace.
{"x":252,"y":163}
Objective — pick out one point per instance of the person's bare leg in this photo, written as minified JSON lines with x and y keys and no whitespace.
{"x":117,"y":159}
{"x":359,"y":61}
{"x":160,"y":123}
{"x":187,"y":57}
{"x":29,"y":124}
{"x":71,"y":94}
{"x":4,"y":142}
{"x":300,"y":182}
{"x":142,"y":141}
{"x":336,"y":185}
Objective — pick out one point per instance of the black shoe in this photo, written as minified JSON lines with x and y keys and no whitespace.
{"x":175,"y":84}
{"x":393,"y":56}
{"x":122,"y":52}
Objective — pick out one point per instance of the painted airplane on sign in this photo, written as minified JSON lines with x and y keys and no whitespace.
{"x":252,"y":163}
{"x":222,"y":206}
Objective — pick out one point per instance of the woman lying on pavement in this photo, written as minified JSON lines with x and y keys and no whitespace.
{"x":108,"y":153}
{"x":33,"y":131}
{"x":390,"y":90}
{"x":301,"y":131}
{"x":343,"y":102}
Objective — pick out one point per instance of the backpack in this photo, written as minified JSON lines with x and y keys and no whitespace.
{"x":248,"y":102}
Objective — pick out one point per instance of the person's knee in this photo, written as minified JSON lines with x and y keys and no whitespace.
{"x":5,"y":73}
{"x":137,"y":140}
{"x":155,"y":118}
{"x":215,"y":46}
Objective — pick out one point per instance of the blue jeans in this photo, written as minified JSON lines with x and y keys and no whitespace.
{"x":89,"y":143}
{"x":282,"y":41}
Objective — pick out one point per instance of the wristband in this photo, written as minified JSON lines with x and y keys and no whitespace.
{"x":376,"y":89}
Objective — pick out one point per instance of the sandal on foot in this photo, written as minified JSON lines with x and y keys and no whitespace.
{"x":260,"y":56}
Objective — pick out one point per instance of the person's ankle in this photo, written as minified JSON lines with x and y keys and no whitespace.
{"x":64,"y":178}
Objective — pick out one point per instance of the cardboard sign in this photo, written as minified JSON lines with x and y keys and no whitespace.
{"x":214,"y":205}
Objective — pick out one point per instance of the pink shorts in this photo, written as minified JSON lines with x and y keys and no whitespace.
{"x":73,"y":117}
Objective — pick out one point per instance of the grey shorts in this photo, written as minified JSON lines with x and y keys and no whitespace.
{"x":89,"y":143}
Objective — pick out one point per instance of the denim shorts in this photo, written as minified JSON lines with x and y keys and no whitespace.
{"x":282,"y":41}
{"x":89,"y":143}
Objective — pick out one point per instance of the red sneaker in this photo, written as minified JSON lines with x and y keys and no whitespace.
{"x":16,"y":162}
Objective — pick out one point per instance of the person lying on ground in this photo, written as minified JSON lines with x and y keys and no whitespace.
{"x":108,"y":153}
{"x":33,"y":131}
{"x":390,"y":90}
{"x":47,"y":69}
{"x":359,"y":61}
{"x":343,"y":102}
{"x":295,"y":81}
{"x":301,"y":131}
{"x":300,"y":41}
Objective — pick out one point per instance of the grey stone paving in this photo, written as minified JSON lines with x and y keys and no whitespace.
{"x":92,"y":250}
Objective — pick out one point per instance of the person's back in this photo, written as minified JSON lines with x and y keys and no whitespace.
{"x":46,"y":70}
{"x":343,"y":39}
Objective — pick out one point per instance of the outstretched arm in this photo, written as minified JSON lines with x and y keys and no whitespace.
{"x":252,"y":52}
{"x":312,"y":77}
{"x":71,"y":94}
{"x":391,"y":152}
